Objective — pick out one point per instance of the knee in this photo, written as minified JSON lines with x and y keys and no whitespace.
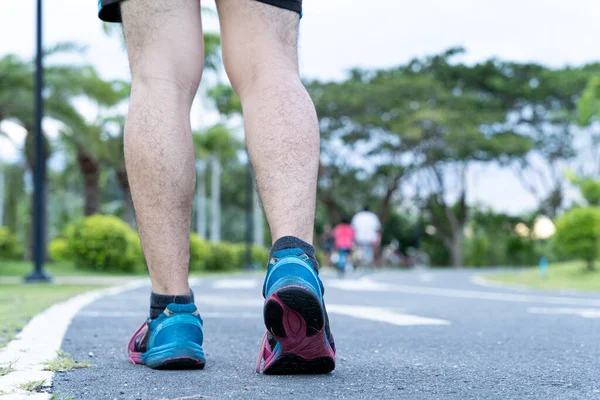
{"x":168,"y":77}
{"x":246,"y":74}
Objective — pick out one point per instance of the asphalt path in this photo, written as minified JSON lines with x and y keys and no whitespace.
{"x":399,"y":334}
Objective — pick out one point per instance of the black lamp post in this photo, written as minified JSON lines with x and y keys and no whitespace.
{"x":39,"y":207}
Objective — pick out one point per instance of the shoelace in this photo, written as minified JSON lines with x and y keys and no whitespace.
{"x":261,"y":351}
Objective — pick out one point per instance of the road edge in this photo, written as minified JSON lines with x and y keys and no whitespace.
{"x":41,"y":339}
{"x":481,"y":280}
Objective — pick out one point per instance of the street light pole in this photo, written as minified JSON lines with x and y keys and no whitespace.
{"x":39,"y":215}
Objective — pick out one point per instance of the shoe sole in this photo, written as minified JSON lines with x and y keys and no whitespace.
{"x":187,"y":355}
{"x":295,"y":317}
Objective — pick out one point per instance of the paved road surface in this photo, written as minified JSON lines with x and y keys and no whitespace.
{"x":400,"y":335}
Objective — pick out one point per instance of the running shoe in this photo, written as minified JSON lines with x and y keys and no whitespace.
{"x":298,"y":338}
{"x":171,"y":341}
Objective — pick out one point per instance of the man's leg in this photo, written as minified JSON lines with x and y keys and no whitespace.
{"x":282,"y":135}
{"x":165,"y":49}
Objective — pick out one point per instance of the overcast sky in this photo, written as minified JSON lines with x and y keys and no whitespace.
{"x":337,"y":35}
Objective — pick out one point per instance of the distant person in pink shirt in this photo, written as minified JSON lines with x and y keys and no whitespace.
{"x":343,"y":235}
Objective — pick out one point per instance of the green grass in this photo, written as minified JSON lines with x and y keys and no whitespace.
{"x":64,"y":362}
{"x":21,"y":268}
{"x":571,"y":275}
{"x":32,"y":386}
{"x":55,"y":396}
{"x":20,"y":302}
{"x":6,"y":370}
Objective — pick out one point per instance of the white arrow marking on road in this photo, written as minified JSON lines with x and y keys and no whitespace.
{"x":363,"y":312}
{"x":581,"y":312}
{"x":235,"y":284}
{"x":367,"y":285}
{"x":384,"y":315}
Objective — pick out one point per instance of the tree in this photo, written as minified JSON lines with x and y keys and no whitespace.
{"x":538,"y":103}
{"x":63,"y":83}
{"x":14,"y":195}
{"x":418,"y":121}
{"x":578,"y":234}
{"x":588,"y":109}
{"x":588,"y":186}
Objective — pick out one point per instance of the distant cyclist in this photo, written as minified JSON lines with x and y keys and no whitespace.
{"x":366,"y":226}
{"x":344,"y":240}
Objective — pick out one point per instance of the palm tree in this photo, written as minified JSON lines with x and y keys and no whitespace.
{"x":63,"y":83}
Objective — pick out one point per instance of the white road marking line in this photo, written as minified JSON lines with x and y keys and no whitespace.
{"x":482,"y":281}
{"x":143,"y":315}
{"x":426,"y":277}
{"x":116,"y":314}
{"x":235,"y":284}
{"x":41,"y":339}
{"x":581,"y":312}
{"x":367,"y":285}
{"x":230,"y":301}
{"x":362,"y":312}
{"x":384,"y":315}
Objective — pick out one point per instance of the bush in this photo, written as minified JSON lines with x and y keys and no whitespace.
{"x":104,"y":243}
{"x":200,"y":252}
{"x":134,"y":250}
{"x":260,"y":256}
{"x":10,"y":248}
{"x":239,"y":249}
{"x":478,"y":249}
{"x":319,"y":255}
{"x":223,"y":257}
{"x":58,"y":249}
{"x":578,"y":234}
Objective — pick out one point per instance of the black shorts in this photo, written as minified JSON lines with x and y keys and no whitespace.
{"x":109,"y":10}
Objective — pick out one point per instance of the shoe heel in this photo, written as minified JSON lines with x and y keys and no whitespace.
{"x":295,"y":317}
{"x":185,"y":355}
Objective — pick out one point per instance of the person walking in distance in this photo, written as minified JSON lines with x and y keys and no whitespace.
{"x":260,"y":53}
{"x":367,"y":229}
{"x":344,"y":240}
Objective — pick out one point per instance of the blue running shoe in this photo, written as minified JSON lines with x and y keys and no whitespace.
{"x":171,"y":341}
{"x":298,"y":338}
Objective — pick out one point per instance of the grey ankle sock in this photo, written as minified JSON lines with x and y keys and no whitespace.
{"x":158,"y":302}
{"x":292,"y":242}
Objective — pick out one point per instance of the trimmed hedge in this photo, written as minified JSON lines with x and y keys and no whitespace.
{"x":223,"y":257}
{"x":106,"y":243}
{"x":260,"y":256}
{"x":200,"y":252}
{"x":10,"y":248}
{"x":58,"y":249}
